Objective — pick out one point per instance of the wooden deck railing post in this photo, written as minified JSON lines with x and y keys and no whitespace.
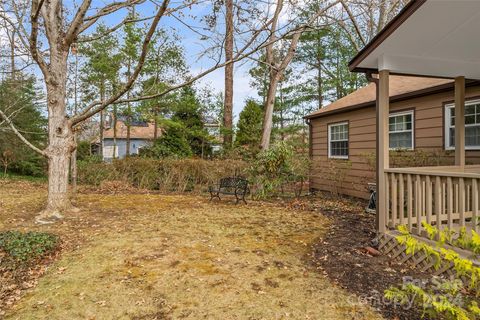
{"x":418,"y":203}
{"x":428,"y":199}
{"x":449,"y":202}
{"x":437,"y":199}
{"x":460,"y":121}
{"x":461,"y":201}
{"x":383,"y":106}
{"x":401,"y":200}
{"x":409,"y":202}
{"x":475,"y":216}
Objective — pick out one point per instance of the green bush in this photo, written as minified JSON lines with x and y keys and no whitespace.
{"x":172,"y":143}
{"x":26,"y":247}
{"x":454,"y":298}
{"x":277,"y":168}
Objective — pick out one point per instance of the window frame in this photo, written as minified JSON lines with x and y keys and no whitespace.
{"x":329,"y":140}
{"x":446,"y":124}
{"x":402,"y":113}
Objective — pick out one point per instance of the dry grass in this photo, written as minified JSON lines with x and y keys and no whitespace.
{"x":150,"y":256}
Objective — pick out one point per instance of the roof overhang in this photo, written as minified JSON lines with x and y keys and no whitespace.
{"x":437,"y":38}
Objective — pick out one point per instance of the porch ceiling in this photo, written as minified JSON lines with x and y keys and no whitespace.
{"x":438,"y":38}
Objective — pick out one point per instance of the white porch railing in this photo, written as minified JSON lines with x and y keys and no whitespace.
{"x":441,"y":196}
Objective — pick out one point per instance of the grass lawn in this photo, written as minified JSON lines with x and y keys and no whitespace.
{"x":150,"y":256}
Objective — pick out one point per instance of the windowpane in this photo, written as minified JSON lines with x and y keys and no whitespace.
{"x":472,"y":126}
{"x":401,"y":132}
{"x":469,"y":110}
{"x":470,"y":119}
{"x":401,"y":140}
{"x":338,"y":136}
{"x":472,"y":136}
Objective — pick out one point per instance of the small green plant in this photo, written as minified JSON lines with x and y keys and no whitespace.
{"x":276,"y":167}
{"x":26,"y":247}
{"x":454,"y":298}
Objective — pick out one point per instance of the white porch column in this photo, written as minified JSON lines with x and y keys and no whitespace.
{"x":460,"y":121}
{"x":383,"y":108}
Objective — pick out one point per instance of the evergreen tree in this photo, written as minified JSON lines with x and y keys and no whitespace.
{"x":20,"y":98}
{"x":100,"y":73}
{"x":249,"y":127}
{"x":130,"y":52}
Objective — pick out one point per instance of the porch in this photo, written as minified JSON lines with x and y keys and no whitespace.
{"x":428,"y":38}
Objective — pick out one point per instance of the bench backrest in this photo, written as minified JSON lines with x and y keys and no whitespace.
{"x":233,"y":182}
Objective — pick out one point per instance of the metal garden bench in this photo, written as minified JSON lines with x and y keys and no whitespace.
{"x":235,"y":186}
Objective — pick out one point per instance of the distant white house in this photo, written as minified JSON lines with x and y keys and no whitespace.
{"x":213,"y":126}
{"x":141,"y":135}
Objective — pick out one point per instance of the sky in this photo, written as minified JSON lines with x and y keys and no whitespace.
{"x":194,"y":47}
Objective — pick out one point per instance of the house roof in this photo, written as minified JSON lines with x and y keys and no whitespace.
{"x":145,"y":131}
{"x":401,"y":87}
{"x":428,"y":38}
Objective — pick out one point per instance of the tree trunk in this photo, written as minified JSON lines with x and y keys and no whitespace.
{"x":114,"y":123}
{"x":282,"y":123}
{"x":228,"y":102}
{"x":128,"y":123}
{"x":102,"y":128}
{"x":61,"y":145}
{"x":129,"y":116}
{"x":155,"y":123}
{"x":268,"y":117}
{"x":12,"y":48}
{"x":319,"y":73}
{"x":73,"y":167}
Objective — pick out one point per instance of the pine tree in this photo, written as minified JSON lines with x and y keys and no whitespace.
{"x":249,"y":127}
{"x":20,"y":98}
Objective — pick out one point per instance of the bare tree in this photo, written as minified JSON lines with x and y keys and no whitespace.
{"x":278,"y":60}
{"x":228,"y":102}
{"x":49,"y":20}
{"x":363,"y":19}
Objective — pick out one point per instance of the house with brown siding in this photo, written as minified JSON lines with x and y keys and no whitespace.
{"x":421,"y":127}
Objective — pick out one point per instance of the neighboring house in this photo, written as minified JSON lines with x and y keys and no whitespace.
{"x":343,"y":134}
{"x":141,"y":135}
{"x":213,"y":127}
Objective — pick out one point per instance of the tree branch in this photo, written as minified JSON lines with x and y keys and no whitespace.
{"x":20,"y":136}
{"x":88,"y":112}
{"x":112,"y":7}
{"x":77,"y":21}
{"x":36,"y":55}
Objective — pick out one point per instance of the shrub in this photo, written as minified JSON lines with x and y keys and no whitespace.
{"x":335,"y":173}
{"x":172,"y":143}
{"x":26,"y":247}
{"x":277,"y":167}
{"x":178,"y":175}
{"x":454,"y":298}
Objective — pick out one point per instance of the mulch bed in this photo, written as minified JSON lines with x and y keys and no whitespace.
{"x":343,"y":257}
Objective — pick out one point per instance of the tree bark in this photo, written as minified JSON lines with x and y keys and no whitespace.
{"x":319,"y":72}
{"x":268,"y":116}
{"x":114,"y":123}
{"x":61,"y":143}
{"x":155,"y":122}
{"x":128,"y":123}
{"x":228,"y":102}
{"x":102,"y":120}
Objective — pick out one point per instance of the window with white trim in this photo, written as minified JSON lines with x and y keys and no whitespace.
{"x":400,"y":128}
{"x":472,"y":125}
{"x":338,"y":140}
